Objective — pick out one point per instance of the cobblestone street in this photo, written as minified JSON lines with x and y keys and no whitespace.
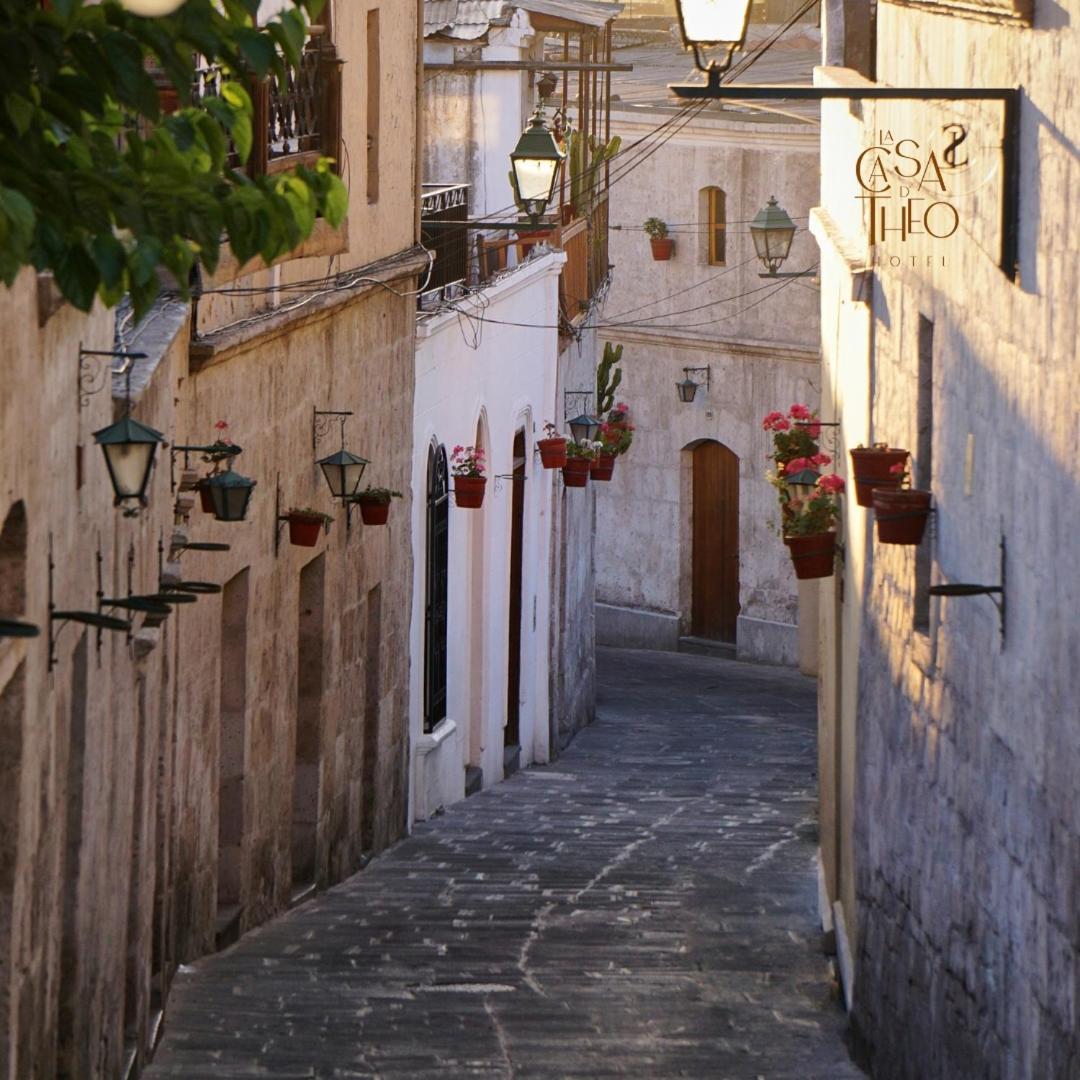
{"x":645,"y":907}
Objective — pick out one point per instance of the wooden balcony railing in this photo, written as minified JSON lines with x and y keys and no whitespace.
{"x":297,"y":120}
{"x":585,"y":241}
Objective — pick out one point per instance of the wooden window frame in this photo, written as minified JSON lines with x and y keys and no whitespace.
{"x":716,"y":246}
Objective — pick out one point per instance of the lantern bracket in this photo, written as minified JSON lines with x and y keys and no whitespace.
{"x":321,"y":419}
{"x":214,"y":453}
{"x":513,"y":477}
{"x":995,"y":592}
{"x":92,"y":382}
{"x":568,"y":394}
{"x":690,"y":372}
{"x":1009,"y":96}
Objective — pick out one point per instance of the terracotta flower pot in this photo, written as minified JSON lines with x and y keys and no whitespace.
{"x":602,"y":467}
{"x":304,"y":530}
{"x":662,"y":250}
{"x":552,"y":452}
{"x":205,"y":501}
{"x":871,"y":469}
{"x":373,"y":512}
{"x":812,"y":556}
{"x":576,"y":472}
{"x":901,"y":515}
{"x":469,"y":491}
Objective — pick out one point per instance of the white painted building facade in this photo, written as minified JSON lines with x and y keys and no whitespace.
{"x":485,"y":385}
{"x":753,"y":341}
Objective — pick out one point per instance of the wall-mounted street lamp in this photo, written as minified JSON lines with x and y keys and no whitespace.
{"x":534,"y":167}
{"x":803,"y":482}
{"x":129,"y":449}
{"x":584,"y":428}
{"x":721,"y":24}
{"x":688,"y":388}
{"x":230,"y":494}
{"x":343,"y":471}
{"x":772,"y":231}
{"x":151,"y":8}
{"x":713,"y":30}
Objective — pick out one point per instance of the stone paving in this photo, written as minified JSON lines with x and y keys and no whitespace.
{"x":645,"y":907}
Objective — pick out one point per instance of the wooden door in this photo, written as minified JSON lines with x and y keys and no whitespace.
{"x":511,"y":730}
{"x":715,"y":585}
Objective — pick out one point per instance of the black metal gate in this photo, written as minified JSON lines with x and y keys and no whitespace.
{"x":438,"y":550}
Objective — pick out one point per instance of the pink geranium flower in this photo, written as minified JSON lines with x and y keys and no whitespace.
{"x":797,"y":465}
{"x":832,"y":483}
{"x":799,"y":412}
{"x":897,"y":469}
{"x":771,"y":419}
{"x":783,"y":424}
{"x":821,"y":459}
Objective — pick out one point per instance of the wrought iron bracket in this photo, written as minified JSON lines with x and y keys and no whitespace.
{"x":92,"y":382}
{"x":568,"y":394}
{"x":995,"y":592}
{"x":691,"y":371}
{"x":499,"y":477}
{"x":321,"y":419}
{"x":218,"y":452}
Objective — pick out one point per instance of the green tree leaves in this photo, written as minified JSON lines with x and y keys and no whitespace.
{"x":98,"y":186}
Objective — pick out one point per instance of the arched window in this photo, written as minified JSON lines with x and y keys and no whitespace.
{"x":438,"y":553}
{"x":714,"y":212}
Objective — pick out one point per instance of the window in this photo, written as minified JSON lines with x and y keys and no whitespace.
{"x":922,"y":473}
{"x":716,"y":237}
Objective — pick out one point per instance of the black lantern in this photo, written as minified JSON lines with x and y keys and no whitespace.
{"x":773,"y":231}
{"x":708,"y":25}
{"x":129,"y":449}
{"x":687,"y":390}
{"x":584,"y":428}
{"x":343,"y":471}
{"x":803,"y":482}
{"x":534,"y":167}
{"x":230,"y":494}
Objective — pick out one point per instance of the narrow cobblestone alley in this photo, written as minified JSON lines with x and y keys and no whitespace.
{"x":645,"y":908}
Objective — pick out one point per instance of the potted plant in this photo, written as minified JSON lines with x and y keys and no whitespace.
{"x":873,"y":467}
{"x":467,"y":466}
{"x":305,"y":524}
{"x":220,"y":451}
{"x":616,"y":435}
{"x":579,"y":459}
{"x":901,"y":513}
{"x":662,"y":245}
{"x":553,"y":448}
{"x":374,"y":504}
{"x":809,"y":528}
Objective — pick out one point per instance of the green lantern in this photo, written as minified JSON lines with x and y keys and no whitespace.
{"x":534,"y":166}
{"x":772,"y":230}
{"x":129,"y":449}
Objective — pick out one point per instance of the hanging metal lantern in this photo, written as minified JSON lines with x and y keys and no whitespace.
{"x":343,"y":472}
{"x":708,"y":25}
{"x":230,"y":494}
{"x":584,"y":428}
{"x":772,"y":230}
{"x":687,"y":390}
{"x":129,"y":449}
{"x":803,"y":483}
{"x":534,"y":167}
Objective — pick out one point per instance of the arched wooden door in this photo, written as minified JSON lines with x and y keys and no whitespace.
{"x":715,"y":558}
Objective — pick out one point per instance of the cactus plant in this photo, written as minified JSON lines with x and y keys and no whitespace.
{"x":607,"y":379}
{"x":585,"y":157}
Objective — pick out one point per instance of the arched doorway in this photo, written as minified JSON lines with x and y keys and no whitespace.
{"x":714,"y":541}
{"x":512,"y":727}
{"x":438,"y":551}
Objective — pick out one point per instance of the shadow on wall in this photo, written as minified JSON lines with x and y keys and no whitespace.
{"x":942,"y":752}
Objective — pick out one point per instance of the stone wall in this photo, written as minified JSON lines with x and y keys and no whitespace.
{"x":962,"y":838}
{"x":157,"y":799}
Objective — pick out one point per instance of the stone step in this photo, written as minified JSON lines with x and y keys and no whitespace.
{"x":698,"y":646}
{"x":474,"y":780}
{"x":511,"y":759}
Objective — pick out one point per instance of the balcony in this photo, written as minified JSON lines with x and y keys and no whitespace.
{"x":585,"y":241}
{"x":299,"y":118}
